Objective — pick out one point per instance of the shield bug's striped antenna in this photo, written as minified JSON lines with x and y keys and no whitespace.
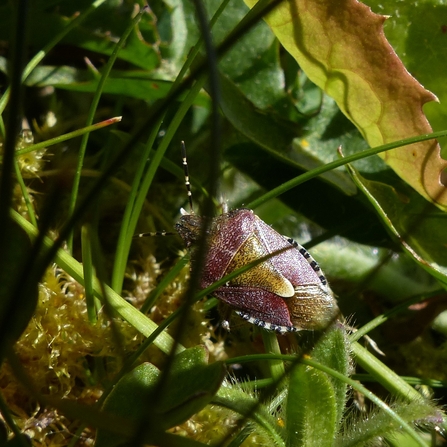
{"x":187,"y":182}
{"x":154,"y":233}
{"x":182,"y":211}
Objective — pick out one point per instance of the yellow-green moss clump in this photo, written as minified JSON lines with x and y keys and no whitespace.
{"x":66,"y":356}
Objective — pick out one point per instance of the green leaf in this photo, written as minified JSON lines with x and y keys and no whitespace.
{"x":311,"y":411}
{"x":419,"y":226}
{"x":264,"y":128}
{"x":243,"y":403}
{"x":135,"y":84}
{"x":98,"y":35}
{"x":191,"y":385}
{"x":257,"y":73}
{"x":378,"y":424}
{"x":322,"y":135}
{"x":129,"y":399}
{"x":333,"y":350}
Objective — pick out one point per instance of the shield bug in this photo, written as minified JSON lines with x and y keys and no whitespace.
{"x":287,"y":292}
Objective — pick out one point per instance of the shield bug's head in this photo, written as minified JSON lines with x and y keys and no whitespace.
{"x":188,"y":227}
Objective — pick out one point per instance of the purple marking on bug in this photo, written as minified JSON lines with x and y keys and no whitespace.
{"x":286,"y":293}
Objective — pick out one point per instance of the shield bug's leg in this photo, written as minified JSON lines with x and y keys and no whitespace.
{"x":224,"y":312}
{"x":225,"y":325}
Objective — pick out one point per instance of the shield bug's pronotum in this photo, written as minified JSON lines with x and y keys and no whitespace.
{"x":286,"y":292}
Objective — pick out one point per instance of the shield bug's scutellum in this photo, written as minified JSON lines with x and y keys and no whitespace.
{"x":286,"y":292}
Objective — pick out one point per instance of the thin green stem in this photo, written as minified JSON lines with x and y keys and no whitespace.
{"x":432,"y":383}
{"x":126,"y":235}
{"x":2,"y":128}
{"x":6,"y":414}
{"x":123,"y":244}
{"x":341,"y":162}
{"x":26,"y":196}
{"x":359,"y":333}
{"x":385,"y":376}
{"x":91,"y":114}
{"x":271,"y":345}
{"x":87,"y":265}
{"x":68,"y":136}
